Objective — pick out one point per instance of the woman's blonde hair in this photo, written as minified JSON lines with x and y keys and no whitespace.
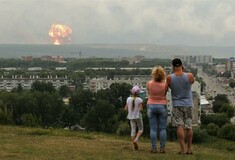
{"x":158,"y":73}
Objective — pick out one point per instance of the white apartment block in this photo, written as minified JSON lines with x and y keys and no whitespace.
{"x":194,"y":59}
{"x":8,"y":84}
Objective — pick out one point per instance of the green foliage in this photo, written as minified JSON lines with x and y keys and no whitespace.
{"x":208,"y":68}
{"x":39,"y":132}
{"x":101,"y":118}
{"x":26,"y":64}
{"x":64,"y":91}
{"x":47,"y":106}
{"x":42,"y":87}
{"x":123,"y":129}
{"x":218,"y":118}
{"x":203,"y":84}
{"x":226,"y":74}
{"x":194,"y":71}
{"x":171,"y":132}
{"x":212,"y":129}
{"x":232,"y":84}
{"x":119,"y":93}
{"x":68,"y":117}
{"x":228,"y":109}
{"x":95,"y":62}
{"x":81,"y":103}
{"x":227,"y":132}
{"x":5,"y":116}
{"x":220,"y":99}
{"x":200,"y":135}
{"x":30,"y":120}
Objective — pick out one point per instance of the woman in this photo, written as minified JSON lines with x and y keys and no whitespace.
{"x":157,"y":111}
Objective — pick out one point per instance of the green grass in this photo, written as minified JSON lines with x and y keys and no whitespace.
{"x":20,"y":143}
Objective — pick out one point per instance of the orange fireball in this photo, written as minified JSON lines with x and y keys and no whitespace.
{"x":60,"y":34}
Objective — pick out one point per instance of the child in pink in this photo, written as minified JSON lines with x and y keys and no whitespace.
{"x":134,"y":106}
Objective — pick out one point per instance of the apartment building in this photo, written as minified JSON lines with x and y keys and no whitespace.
{"x":194,"y":59}
{"x":230,"y":64}
{"x":8,"y":84}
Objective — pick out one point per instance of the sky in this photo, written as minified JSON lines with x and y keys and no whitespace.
{"x":163,"y":22}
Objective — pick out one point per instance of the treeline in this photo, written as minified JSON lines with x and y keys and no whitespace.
{"x":76,"y":64}
{"x":43,"y":106}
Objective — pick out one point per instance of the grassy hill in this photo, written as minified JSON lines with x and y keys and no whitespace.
{"x":48,"y":144}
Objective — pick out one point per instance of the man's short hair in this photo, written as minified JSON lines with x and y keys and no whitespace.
{"x":176,"y":62}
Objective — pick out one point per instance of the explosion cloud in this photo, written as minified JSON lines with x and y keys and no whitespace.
{"x":60,"y":34}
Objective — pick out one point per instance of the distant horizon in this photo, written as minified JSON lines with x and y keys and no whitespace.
{"x":110,"y":50}
{"x":158,"y":44}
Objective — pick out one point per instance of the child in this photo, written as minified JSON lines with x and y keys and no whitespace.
{"x":134,"y":106}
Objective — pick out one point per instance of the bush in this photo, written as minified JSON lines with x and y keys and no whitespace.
{"x":123,"y":129}
{"x":228,"y":109}
{"x":5,"y":117}
{"x":30,"y":120}
{"x":212,"y":129}
{"x":101,"y":118}
{"x":227,"y":132}
{"x":218,"y":118}
{"x":199,"y":135}
{"x":171,"y":132}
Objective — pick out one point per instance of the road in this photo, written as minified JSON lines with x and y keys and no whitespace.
{"x":214,"y":87}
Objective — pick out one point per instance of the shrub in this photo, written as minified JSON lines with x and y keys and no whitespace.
{"x":227,"y":132}
{"x":5,"y":117}
{"x":171,"y":132}
{"x":123,"y":129}
{"x":199,"y":135}
{"x":101,"y":118}
{"x":218,"y":118}
{"x":30,"y":120}
{"x":212,"y":129}
{"x":228,"y":109}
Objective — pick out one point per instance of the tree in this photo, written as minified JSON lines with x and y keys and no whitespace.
{"x":218,"y":118}
{"x":5,"y":115}
{"x":220,"y":99}
{"x":64,"y":91}
{"x":228,"y":109}
{"x":226,"y":74}
{"x":42,"y":87}
{"x":82,"y":102}
{"x":101,"y":118}
{"x":119,"y":93}
{"x":227,"y":132}
{"x":232,"y":84}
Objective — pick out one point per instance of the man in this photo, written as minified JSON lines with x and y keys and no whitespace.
{"x":180,"y":84}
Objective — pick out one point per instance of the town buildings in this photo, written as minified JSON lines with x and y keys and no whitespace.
{"x":230,"y":66}
{"x":194,"y":59}
{"x":9,"y":83}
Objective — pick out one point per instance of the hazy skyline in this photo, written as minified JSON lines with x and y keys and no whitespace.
{"x":164,"y":22}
